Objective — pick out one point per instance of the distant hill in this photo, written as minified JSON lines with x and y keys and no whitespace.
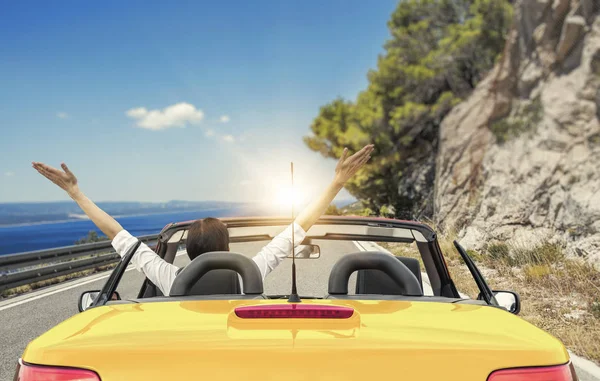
{"x":36,"y":212}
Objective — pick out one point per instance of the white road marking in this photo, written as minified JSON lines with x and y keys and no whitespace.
{"x":358,"y":246}
{"x":63,"y":287}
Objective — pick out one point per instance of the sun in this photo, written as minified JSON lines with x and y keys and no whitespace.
{"x":286,"y":196}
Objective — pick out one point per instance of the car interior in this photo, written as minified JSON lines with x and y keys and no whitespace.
{"x":368,"y":281}
{"x":379,"y":275}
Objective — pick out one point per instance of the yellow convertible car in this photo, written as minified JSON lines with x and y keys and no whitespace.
{"x":404,"y":319}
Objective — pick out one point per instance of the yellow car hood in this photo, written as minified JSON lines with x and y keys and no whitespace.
{"x":206,"y":340}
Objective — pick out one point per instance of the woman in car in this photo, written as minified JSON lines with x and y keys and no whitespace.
{"x":208,"y":234}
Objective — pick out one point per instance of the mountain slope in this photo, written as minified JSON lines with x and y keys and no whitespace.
{"x":518,"y":160}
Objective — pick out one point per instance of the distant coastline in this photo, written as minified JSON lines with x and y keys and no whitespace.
{"x":84,"y":218}
{"x":47,"y":235}
{"x":41,"y":235}
{"x":27,"y":214}
{"x":13,"y":215}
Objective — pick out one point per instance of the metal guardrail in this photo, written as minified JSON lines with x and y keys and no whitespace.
{"x":33,"y":266}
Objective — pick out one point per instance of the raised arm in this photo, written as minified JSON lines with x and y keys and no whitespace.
{"x":67,"y":181}
{"x":346,"y":168}
{"x":277,"y":250}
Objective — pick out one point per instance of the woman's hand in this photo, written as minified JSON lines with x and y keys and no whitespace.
{"x":348,"y":166}
{"x":65,"y":180}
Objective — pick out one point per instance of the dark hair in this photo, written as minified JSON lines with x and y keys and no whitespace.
{"x":206,"y":235}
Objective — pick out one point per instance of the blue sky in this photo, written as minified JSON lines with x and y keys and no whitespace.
{"x":188,"y":100}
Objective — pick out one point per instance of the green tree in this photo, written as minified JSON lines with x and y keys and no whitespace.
{"x":439,"y":50}
{"x":333,"y":210}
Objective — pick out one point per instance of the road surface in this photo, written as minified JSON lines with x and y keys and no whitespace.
{"x":28,"y":316}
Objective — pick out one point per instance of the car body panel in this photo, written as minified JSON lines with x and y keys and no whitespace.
{"x":177,"y":339}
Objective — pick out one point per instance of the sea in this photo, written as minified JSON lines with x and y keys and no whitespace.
{"x":40,"y":236}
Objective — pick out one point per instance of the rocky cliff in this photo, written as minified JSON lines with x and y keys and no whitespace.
{"x":519,"y":160}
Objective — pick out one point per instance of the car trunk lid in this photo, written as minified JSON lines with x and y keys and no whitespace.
{"x":178,"y":339}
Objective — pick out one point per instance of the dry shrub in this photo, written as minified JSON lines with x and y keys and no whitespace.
{"x":499,"y":252}
{"x":595,"y":308}
{"x":535,"y":273}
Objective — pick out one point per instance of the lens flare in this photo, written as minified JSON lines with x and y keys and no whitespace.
{"x":286,"y":196}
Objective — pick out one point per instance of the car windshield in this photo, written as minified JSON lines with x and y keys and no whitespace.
{"x":331,"y":242}
{"x":312,"y":274}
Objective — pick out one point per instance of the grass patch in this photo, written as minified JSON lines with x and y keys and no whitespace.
{"x":475,"y":255}
{"x":545,"y":254}
{"x":595,"y":308}
{"x":403,"y":250}
{"x":534,"y":273}
{"x":524,"y":119}
{"x":499,"y":252}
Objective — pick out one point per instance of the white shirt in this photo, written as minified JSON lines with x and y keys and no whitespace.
{"x":162,"y":273}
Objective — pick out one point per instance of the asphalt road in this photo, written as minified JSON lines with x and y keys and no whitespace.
{"x":25,"y":317}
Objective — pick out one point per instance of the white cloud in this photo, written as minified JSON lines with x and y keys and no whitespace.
{"x":229,"y":138}
{"x":62,"y":115}
{"x":9,"y":174}
{"x":177,"y":115}
{"x":209,"y":133}
{"x":224,"y":119}
{"x":245,"y":183}
{"x":137,"y":113}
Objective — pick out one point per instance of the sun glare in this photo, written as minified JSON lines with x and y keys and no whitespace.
{"x":274,"y":189}
{"x":288,"y":195}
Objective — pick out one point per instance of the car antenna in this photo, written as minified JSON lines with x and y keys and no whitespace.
{"x":294,"y":298}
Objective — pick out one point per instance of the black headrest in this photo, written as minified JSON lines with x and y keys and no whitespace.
{"x":378,"y":282}
{"x":200,"y":266}
{"x":372,"y":260}
{"x":217,"y":282}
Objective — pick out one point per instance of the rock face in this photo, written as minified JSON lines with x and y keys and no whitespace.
{"x":519,"y":160}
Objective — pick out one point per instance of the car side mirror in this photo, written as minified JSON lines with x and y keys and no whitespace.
{"x":509,"y":300}
{"x":307,"y":252}
{"x":87,"y":298}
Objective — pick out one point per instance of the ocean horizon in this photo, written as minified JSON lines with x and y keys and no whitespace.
{"x":42,"y":235}
{"x":47,"y":235}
